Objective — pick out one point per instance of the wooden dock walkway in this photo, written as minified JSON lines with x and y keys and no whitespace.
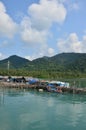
{"x":71,"y":90}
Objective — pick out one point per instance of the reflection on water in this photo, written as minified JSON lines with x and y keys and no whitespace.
{"x":1,"y":98}
{"x":31,"y":110}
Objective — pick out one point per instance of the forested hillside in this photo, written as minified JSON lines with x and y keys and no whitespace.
{"x":60,"y":65}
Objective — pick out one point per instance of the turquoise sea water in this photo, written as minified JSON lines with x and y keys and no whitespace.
{"x":32,"y":110}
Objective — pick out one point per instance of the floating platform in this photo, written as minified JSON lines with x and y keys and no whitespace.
{"x":39,"y":87}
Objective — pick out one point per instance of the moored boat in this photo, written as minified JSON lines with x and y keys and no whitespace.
{"x":56,"y":86}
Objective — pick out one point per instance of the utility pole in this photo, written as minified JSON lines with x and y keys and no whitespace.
{"x":8,"y":66}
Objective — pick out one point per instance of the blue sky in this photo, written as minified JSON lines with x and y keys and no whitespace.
{"x":37,"y":28}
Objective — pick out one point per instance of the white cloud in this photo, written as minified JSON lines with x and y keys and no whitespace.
{"x":2,"y":56}
{"x":35,"y":28}
{"x":7,"y":25}
{"x":31,"y":35}
{"x":44,"y":14}
{"x":34,"y":56}
{"x":72,"y":44}
{"x":2,"y":7}
{"x":29,"y":58}
{"x":40,"y":53}
{"x":84,"y":44}
{"x":72,"y":5}
{"x":75,"y":6}
{"x":51,"y":52}
{"x":84,"y":38}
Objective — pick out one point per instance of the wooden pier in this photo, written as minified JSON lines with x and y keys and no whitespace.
{"x":39,"y":87}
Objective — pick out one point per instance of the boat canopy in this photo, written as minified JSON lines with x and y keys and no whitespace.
{"x":59,"y":83}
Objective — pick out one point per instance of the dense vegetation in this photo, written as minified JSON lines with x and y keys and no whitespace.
{"x":66,"y":65}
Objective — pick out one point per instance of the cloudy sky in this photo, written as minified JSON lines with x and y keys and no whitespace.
{"x":36,"y":28}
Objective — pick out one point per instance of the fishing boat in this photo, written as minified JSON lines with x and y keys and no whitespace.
{"x":56,"y":86}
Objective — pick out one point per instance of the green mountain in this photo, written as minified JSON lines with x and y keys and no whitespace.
{"x":15,"y":62}
{"x":64,"y":62}
{"x":61,"y":62}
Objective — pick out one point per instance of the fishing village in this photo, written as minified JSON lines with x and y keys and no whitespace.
{"x":26,"y":82}
{"x":39,"y":85}
{"x":42,"y":65}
